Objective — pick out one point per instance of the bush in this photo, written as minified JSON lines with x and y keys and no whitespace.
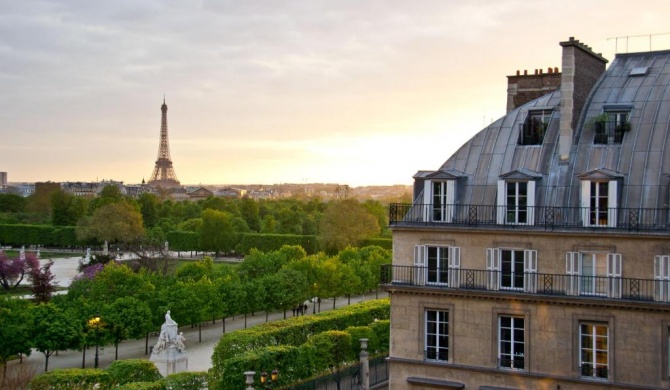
{"x":133,"y":370}
{"x":361,"y":332}
{"x":72,"y":379}
{"x":386,"y":243}
{"x":382,"y":329}
{"x":273,"y":242}
{"x":332,"y":347}
{"x":186,"y":381}
{"x":246,"y":345}
{"x":141,"y":386}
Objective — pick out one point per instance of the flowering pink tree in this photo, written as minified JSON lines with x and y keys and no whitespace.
{"x":13,"y":270}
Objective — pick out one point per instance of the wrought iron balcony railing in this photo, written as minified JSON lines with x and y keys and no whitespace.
{"x":548,"y":218}
{"x":598,"y":287}
{"x":610,"y":132}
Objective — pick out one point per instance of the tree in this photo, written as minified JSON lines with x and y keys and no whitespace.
{"x":269,"y":224}
{"x":66,"y":209}
{"x":43,"y":282}
{"x":149,"y":208}
{"x":115,"y":222}
{"x":126,"y":317}
{"x":218,"y":234}
{"x":250,"y":212}
{"x":53,"y":330}
{"x":346,"y":223}
{"x":12,"y":271}
{"x":12,"y":203}
{"x":14,"y":316}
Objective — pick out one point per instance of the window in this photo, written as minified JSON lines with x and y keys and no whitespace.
{"x":437,"y":335}
{"x":516,"y":201}
{"x":512,"y":269}
{"x":511,"y":342}
{"x":439,"y":200}
{"x":594,"y":273}
{"x":533,"y":129}
{"x":437,"y":265}
{"x":610,"y":127}
{"x":662,"y":278}
{"x":593,"y":350}
{"x":599,"y":203}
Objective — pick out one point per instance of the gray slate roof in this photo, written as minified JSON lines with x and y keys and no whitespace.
{"x":641,"y":161}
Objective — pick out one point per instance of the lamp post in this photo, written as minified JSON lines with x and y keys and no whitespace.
{"x":94,"y":323}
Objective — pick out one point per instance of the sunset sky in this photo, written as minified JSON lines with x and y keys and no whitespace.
{"x":358,"y":92}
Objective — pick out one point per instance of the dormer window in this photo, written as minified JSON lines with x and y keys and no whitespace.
{"x":516,"y":198}
{"x":610,"y":126}
{"x":599,"y":200}
{"x":439,"y":193}
{"x":533,"y":129}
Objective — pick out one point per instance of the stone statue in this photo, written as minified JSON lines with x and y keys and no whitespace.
{"x":22,"y":253}
{"x":166,"y":246}
{"x":168,"y":353}
{"x":105,"y":249}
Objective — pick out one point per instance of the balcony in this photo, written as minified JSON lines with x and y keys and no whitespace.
{"x":610,"y":132}
{"x":529,"y":217}
{"x":600,"y":287}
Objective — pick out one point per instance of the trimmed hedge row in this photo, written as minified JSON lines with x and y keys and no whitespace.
{"x":18,"y":235}
{"x":293,"y":332}
{"x":131,"y":374}
{"x":322,"y":351}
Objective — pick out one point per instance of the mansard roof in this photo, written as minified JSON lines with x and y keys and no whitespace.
{"x":641,"y":161}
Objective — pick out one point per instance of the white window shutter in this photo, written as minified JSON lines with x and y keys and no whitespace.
{"x":427,"y":200}
{"x":502,"y":202}
{"x":493,"y":266}
{"x":662,"y":277}
{"x":586,"y":202}
{"x":572,"y":270}
{"x":614,"y":275}
{"x":531,"y":202}
{"x":450,"y":199}
{"x":455,"y":266}
{"x":530,"y":271}
{"x":612,"y":202}
{"x":419,"y":265}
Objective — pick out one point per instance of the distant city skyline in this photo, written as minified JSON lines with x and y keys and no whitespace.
{"x":354,"y":92}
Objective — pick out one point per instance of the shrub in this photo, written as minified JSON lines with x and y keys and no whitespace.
{"x":133,"y":370}
{"x":141,"y":386}
{"x":382,"y":329}
{"x":361,"y":332}
{"x":72,"y":379}
{"x":186,"y":381}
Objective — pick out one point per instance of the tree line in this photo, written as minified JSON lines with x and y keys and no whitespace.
{"x":148,"y":220}
{"x":110,"y":303}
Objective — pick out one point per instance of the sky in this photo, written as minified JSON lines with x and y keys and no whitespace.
{"x":357,"y":92}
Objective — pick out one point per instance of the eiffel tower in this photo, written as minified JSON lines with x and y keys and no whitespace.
{"x":163,"y":175}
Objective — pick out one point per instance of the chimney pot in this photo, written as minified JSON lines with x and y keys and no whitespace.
{"x":518,"y":72}
{"x":525,"y":72}
{"x":536,"y":71}
{"x":549,"y":70}
{"x":556,"y":69}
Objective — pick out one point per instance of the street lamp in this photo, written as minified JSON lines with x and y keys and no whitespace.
{"x":273,"y":378}
{"x":94,"y":323}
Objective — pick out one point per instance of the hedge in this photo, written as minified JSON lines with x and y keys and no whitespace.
{"x":72,"y":379}
{"x":292,"y":332}
{"x":141,"y":386}
{"x":133,"y":370}
{"x":186,"y":381}
{"x":183,"y":241}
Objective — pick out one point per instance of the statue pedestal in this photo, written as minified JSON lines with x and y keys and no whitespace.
{"x":170,"y":361}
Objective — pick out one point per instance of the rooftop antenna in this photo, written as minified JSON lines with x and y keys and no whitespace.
{"x":627,"y":37}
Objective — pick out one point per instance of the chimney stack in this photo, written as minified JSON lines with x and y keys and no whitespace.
{"x":581,"y":70}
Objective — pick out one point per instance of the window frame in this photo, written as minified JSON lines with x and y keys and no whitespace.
{"x":534,"y":128}
{"x":504,"y":208}
{"x":438,"y":336}
{"x":513,"y":342}
{"x":608,"y":285}
{"x":422,"y":270}
{"x":594,"y":215}
{"x":445,"y":205}
{"x":496,"y":273}
{"x":594,"y":350}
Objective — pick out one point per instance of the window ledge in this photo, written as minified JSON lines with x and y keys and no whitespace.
{"x":435,"y":383}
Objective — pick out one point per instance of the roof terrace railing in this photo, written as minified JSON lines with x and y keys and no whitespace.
{"x":544,"y":217}
{"x":587,"y":286}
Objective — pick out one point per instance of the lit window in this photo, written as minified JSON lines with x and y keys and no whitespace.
{"x":437,"y":335}
{"x":594,"y":352}
{"x":511,"y":342}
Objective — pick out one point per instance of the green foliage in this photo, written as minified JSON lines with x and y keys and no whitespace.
{"x":133,"y":370}
{"x":292,"y":332}
{"x":141,"y":386}
{"x":218,"y":232}
{"x":15,"y":336}
{"x":361,"y":332}
{"x":66,"y":209}
{"x":114,"y":222}
{"x":338,"y":229}
{"x":386,"y":243}
{"x":272,"y":242}
{"x":18,"y":235}
{"x":72,"y":379}
{"x":12,"y":203}
{"x":186,"y":381}
{"x":52,"y":329}
{"x":183,"y":241}
{"x":382,"y":329}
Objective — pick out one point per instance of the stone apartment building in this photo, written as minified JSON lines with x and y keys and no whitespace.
{"x":538,"y":255}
